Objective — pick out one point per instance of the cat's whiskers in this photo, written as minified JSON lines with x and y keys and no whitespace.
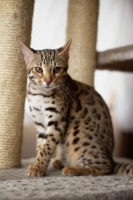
{"x":69,"y":92}
{"x":58,"y":89}
{"x":65,"y":96}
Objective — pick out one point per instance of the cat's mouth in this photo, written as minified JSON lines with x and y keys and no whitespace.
{"x":44,"y":86}
{"x":48,"y":87}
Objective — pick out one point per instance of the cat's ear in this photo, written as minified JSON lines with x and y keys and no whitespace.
{"x":28,"y":53}
{"x":64,"y":51}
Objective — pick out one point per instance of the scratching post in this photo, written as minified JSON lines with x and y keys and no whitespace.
{"x":15,"y":26}
{"x":82,"y":28}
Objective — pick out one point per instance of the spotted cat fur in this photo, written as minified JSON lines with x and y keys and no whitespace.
{"x":69,"y":116}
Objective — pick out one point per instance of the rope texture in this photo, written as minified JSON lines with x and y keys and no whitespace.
{"x":82,"y":28}
{"x":15,"y":26}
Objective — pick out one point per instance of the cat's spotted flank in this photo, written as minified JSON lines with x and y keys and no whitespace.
{"x":70,"y":117}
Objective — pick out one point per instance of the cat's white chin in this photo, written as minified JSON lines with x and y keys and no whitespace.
{"x":48,"y":87}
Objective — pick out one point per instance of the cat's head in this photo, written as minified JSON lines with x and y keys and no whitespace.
{"x":47,"y":68}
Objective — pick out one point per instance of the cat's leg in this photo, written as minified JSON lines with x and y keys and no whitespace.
{"x":90,"y":164}
{"x":40,"y":139}
{"x":38,"y":119}
{"x":57,"y":161}
{"x":82,"y":171}
{"x":53,"y":135}
{"x":90,"y":161}
{"x":86,"y":157}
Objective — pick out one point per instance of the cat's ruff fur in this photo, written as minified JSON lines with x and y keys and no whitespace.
{"x":70,"y":115}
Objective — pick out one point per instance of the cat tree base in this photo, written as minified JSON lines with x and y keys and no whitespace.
{"x":15,"y":184}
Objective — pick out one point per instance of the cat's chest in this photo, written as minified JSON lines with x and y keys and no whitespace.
{"x":37,"y":101}
{"x":42,"y":102}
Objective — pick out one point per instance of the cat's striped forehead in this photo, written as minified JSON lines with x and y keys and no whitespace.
{"x":48,"y":56}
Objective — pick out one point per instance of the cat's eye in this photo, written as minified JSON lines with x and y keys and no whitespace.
{"x":57,"y":69}
{"x":38,"y":69}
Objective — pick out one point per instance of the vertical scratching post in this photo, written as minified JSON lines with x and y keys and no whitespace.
{"x":82,"y":28}
{"x":15,"y":26}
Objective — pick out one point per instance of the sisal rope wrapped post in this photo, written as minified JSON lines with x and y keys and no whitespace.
{"x":15,"y":26}
{"x":82,"y":28}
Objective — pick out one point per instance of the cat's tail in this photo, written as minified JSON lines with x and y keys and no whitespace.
{"x":123,"y":169}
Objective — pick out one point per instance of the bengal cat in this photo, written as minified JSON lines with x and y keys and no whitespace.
{"x":70,"y":115}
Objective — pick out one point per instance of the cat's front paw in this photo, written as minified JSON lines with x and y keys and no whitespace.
{"x":36,"y":170}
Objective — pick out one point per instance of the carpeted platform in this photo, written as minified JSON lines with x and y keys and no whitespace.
{"x":16,"y":185}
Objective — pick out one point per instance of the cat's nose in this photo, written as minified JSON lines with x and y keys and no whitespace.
{"x":48,"y":81}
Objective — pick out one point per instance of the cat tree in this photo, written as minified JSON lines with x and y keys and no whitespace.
{"x":15,"y":26}
{"x":82,"y":28}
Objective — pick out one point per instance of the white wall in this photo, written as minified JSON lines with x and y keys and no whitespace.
{"x":115,"y":29}
{"x":49,"y":23}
